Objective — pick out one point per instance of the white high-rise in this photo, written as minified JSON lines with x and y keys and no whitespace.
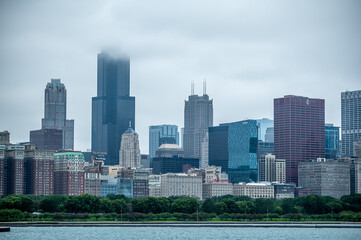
{"x":129,"y":153}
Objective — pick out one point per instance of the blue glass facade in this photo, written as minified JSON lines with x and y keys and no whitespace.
{"x":234,"y":147}
{"x":332,"y":141}
{"x":162,"y":134}
{"x":113,"y":108}
{"x":218,"y":147}
{"x":242,"y":150}
{"x":121,"y":186}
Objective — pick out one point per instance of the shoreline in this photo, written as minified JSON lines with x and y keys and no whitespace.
{"x":185,"y":224}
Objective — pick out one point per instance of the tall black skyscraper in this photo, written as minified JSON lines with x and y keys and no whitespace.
{"x":113,"y":107}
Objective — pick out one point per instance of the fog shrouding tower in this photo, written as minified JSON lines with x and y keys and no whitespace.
{"x":299,"y":131}
{"x":350,"y":120}
{"x":198,"y":117}
{"x":113,"y":107}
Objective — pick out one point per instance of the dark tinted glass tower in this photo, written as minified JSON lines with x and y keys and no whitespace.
{"x":299,"y":131}
{"x":233,"y":146}
{"x":113,"y":107}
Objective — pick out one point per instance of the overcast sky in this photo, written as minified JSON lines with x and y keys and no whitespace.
{"x":250,"y":52}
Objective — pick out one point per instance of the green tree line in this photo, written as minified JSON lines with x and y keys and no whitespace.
{"x":236,"y":208}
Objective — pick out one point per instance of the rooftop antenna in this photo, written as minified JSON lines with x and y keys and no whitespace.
{"x":192,"y":88}
{"x":204,"y":86}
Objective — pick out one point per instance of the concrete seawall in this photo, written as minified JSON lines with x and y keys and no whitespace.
{"x":196,"y":225}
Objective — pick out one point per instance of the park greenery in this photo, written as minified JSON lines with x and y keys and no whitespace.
{"x":225,"y":208}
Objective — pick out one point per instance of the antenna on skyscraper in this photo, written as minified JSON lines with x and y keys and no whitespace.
{"x":204,"y":86}
{"x":192,"y":88}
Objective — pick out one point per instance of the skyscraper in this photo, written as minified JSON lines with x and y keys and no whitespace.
{"x":350,"y":120}
{"x":299,"y":131}
{"x":162,"y":134}
{"x":129,"y":153}
{"x":54,"y":119}
{"x":112,"y":108}
{"x":332,"y":141}
{"x":198,"y":117}
{"x":263,"y":125}
{"x":233,"y":146}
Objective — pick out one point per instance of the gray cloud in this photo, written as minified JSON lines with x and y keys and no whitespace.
{"x":249,"y":51}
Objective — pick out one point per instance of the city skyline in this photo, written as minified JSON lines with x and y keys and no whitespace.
{"x":316,"y":56}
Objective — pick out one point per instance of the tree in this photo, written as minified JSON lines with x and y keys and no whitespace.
{"x":119,"y":205}
{"x":106,"y":205}
{"x":232,"y":207}
{"x":187,"y":205}
{"x":220,"y":207}
{"x":313,"y":204}
{"x":9,"y":215}
{"x":53,"y":203}
{"x":208,"y":206}
{"x":264,"y":205}
{"x":150,"y":204}
{"x":352,"y":202}
{"x":21,"y":203}
{"x":287,"y":206}
{"x":246,"y":206}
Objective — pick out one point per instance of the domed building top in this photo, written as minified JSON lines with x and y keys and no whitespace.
{"x":130,"y":129}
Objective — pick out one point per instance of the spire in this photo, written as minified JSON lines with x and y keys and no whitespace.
{"x":192,"y":88}
{"x":204,"y":86}
{"x":130,"y":124}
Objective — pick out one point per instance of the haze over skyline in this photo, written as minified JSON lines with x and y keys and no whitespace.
{"x":250,"y":52}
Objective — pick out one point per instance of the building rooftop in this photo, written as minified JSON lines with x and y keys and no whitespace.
{"x":170,"y":146}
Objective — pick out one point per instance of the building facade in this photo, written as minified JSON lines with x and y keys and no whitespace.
{"x":69,"y":173}
{"x":198,"y":117}
{"x":254,"y":190}
{"x":181,"y":185}
{"x":216,"y":189}
{"x":54,"y":118}
{"x":233,"y":146}
{"x":162,"y":134}
{"x":350,"y":120}
{"x":12,"y":169}
{"x":299,"y":131}
{"x":332,"y":141}
{"x":38,"y":171}
{"x":325,"y":178}
{"x":113,"y":107}
{"x":129,"y":153}
{"x":47,"y":139}
{"x":263,"y":124}
{"x":271,"y":169}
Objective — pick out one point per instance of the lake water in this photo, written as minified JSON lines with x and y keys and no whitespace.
{"x":109,"y":233}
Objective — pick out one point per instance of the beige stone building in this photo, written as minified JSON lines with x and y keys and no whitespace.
{"x":254,"y":190}
{"x":216,"y":189}
{"x":181,"y":184}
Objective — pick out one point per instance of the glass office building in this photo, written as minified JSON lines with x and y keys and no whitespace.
{"x":233,"y":146}
{"x":332,"y":141}
{"x":113,"y":107}
{"x":162,"y":134}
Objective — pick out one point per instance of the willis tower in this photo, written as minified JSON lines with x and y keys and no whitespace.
{"x":113,"y":107}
